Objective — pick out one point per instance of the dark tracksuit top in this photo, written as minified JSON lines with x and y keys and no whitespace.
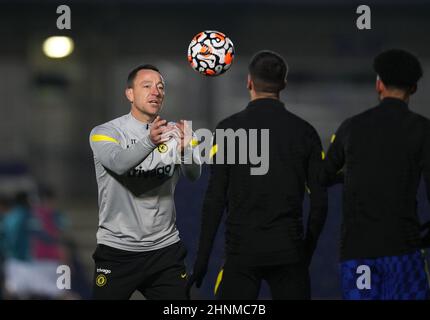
{"x":264,"y":223}
{"x":383,"y":153}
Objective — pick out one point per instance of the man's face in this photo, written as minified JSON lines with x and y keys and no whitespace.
{"x":147,"y":94}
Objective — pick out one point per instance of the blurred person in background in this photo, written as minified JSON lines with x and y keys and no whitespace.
{"x":29,"y":273}
{"x":4,"y":207}
{"x":138,"y":160}
{"x":17,"y":247}
{"x":53,"y":224}
{"x":51,"y":247}
{"x":383,"y":152}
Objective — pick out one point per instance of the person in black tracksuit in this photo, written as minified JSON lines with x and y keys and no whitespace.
{"x":265,"y":237}
{"x":382,"y":153}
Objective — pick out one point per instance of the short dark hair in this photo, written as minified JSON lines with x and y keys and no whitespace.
{"x":133,"y":73}
{"x":398,"y":68}
{"x":268,"y":71}
{"x":22,"y":199}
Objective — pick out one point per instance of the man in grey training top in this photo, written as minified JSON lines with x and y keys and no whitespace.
{"x":138,"y":158}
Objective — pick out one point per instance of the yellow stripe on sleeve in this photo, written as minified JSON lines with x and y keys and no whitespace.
{"x":218,"y":281}
{"x":213,"y":151}
{"x":322,"y":155}
{"x":101,"y":137}
{"x":194,"y":142}
{"x":333,"y":137}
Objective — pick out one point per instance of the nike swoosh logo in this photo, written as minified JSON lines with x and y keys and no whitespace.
{"x":183,"y":275}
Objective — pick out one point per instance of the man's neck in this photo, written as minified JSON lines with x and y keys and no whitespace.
{"x":142,"y":117}
{"x":394,"y":94}
{"x":263,"y":95}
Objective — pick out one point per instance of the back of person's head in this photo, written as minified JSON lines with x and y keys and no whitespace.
{"x":46,"y":192}
{"x":398,"y":69}
{"x":22,"y":199}
{"x":268,"y":72}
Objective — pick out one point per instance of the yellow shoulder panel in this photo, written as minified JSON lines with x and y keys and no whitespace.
{"x":101,"y":137}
